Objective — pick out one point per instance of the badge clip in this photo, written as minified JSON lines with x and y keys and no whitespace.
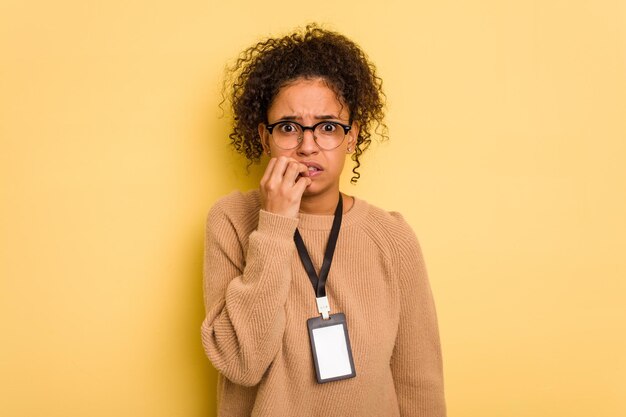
{"x":323,"y":307}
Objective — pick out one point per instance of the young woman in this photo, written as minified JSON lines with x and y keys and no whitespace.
{"x":317,"y":302}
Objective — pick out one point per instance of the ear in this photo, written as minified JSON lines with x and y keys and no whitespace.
{"x":265,"y":138}
{"x":353,"y":135}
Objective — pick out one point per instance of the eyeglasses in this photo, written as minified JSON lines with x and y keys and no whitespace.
{"x":328,"y":135}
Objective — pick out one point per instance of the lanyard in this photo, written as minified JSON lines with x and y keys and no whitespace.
{"x":319,"y":283}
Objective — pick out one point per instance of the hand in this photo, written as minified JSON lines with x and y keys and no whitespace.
{"x":282,"y":186}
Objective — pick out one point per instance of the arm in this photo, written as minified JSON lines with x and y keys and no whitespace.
{"x":244,"y":298}
{"x":416,"y":363}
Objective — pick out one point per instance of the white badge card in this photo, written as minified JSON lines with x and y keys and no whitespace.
{"x":331,"y":349}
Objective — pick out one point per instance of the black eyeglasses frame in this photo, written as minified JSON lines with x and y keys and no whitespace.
{"x":346,"y":128}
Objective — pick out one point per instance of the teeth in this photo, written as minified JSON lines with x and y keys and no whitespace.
{"x":312,"y":169}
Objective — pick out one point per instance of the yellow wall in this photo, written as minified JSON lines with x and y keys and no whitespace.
{"x":507,"y":155}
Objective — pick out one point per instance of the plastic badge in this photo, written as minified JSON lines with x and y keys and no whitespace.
{"x":331,"y":349}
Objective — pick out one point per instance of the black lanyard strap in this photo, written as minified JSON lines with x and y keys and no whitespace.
{"x":319,"y":284}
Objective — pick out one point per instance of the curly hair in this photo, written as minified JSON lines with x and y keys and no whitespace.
{"x":262,"y":69}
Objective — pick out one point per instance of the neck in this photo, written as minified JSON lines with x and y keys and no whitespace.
{"x":321,"y":204}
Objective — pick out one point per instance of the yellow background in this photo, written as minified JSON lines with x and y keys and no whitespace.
{"x":508,"y":142}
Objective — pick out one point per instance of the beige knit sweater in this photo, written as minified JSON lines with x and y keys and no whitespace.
{"x":258,"y":299}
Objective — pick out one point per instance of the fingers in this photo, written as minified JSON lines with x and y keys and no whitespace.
{"x":294,"y":170}
{"x":301,"y":185}
{"x":282,"y":186}
{"x":286,"y":170}
{"x":268,"y":171}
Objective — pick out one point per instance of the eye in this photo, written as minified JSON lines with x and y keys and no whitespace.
{"x":328,"y":127}
{"x":287,"y":128}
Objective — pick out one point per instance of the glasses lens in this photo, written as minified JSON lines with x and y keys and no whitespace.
{"x":286,"y":135}
{"x":329,"y":135}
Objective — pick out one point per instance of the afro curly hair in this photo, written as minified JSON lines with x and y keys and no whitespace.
{"x":313,"y":52}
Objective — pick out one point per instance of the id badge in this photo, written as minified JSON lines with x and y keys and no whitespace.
{"x":330,"y":345}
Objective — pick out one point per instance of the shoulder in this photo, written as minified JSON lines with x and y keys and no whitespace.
{"x":239,"y":209}
{"x":396,"y":238}
{"x":389,"y":230}
{"x":239,"y":201}
{"x":387,"y":223}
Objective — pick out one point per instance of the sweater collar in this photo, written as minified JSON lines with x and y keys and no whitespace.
{"x":357,"y":212}
{"x":325,"y":221}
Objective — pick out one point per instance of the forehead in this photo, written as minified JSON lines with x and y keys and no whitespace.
{"x":306,"y":99}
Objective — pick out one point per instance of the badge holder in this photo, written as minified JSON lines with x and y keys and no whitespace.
{"x":330,"y":345}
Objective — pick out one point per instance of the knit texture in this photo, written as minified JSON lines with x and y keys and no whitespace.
{"x":258,"y":298}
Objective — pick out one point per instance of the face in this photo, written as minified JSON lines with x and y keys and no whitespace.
{"x":309,"y":101}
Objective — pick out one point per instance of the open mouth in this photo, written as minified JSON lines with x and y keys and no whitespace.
{"x":313,"y":169}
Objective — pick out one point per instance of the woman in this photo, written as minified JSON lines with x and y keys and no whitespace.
{"x":317,"y":303}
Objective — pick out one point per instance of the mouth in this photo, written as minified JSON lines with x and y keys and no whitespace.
{"x":314,"y":168}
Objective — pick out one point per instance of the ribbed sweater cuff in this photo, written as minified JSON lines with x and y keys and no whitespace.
{"x":277,"y":225}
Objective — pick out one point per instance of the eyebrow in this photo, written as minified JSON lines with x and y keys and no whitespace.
{"x":320,"y":117}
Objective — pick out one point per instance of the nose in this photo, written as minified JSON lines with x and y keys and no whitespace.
{"x":308,"y":146}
